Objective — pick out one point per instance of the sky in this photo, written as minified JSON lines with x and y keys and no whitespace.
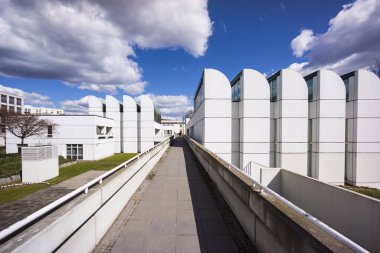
{"x":56,"y":53}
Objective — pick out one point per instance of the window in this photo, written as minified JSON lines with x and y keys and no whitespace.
{"x":50,"y":131}
{"x":199,"y":97}
{"x":347,"y":84}
{"x":157,"y":115}
{"x":235,"y":91}
{"x":18,"y":101}
{"x":4,"y":98}
{"x":310,"y":84}
{"x":19,"y":110}
{"x":273,"y":90}
{"x":11,"y":108}
{"x":4,"y":107}
{"x":11,"y":100}
{"x":74,"y":151}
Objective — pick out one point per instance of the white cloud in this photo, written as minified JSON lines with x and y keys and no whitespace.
{"x":302,"y":42}
{"x":91,"y":43}
{"x":30,"y":98}
{"x":351,"y":41}
{"x":79,"y":106}
{"x":171,"y":106}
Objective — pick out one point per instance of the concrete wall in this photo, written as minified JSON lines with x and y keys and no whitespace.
{"x":211,"y":122}
{"x":80,"y":225}
{"x":254,"y":115}
{"x":363,"y":124}
{"x":146,"y":123}
{"x":130,"y":118}
{"x":354,"y":215}
{"x":113,"y":112}
{"x":289,"y":122}
{"x":72,"y":129}
{"x":327,"y":112}
{"x":95,"y":106}
{"x":271,"y":226}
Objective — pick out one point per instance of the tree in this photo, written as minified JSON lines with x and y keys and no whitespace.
{"x":27,"y":125}
{"x":375,"y":67}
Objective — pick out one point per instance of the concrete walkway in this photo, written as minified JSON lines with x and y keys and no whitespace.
{"x":14,"y":211}
{"x":181,"y":211}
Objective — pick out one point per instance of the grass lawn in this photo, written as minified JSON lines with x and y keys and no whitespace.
{"x":14,"y":193}
{"x":371,"y":192}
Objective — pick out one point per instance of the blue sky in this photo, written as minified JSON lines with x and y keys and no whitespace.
{"x":134,"y":49}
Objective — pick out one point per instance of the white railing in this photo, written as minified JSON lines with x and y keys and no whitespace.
{"x":4,"y":234}
{"x":248,"y":169}
{"x":343,"y":239}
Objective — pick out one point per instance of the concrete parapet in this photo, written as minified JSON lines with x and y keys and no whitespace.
{"x":269,"y":223}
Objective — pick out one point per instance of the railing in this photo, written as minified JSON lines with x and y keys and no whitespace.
{"x":251,"y":165}
{"x":6,"y":233}
{"x":332,"y":232}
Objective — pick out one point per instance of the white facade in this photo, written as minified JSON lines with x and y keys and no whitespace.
{"x":250,"y":119}
{"x":327,"y":112}
{"x":147,"y":126}
{"x":130,"y":125}
{"x":82,"y":137}
{"x":211,"y":122}
{"x":113,"y":111}
{"x":42,"y":110}
{"x":363,"y":128}
{"x":289,"y":121}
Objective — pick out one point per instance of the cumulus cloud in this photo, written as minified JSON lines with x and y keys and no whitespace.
{"x":171,"y":106}
{"x":30,"y":98}
{"x":351,"y":41}
{"x":90,"y":43}
{"x":79,"y":106}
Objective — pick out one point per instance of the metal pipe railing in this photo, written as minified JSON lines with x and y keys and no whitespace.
{"x":57,"y":203}
{"x":340,"y":237}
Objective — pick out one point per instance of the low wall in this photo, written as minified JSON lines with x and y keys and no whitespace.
{"x":79,"y":225}
{"x":354,"y":215}
{"x":269,"y":223}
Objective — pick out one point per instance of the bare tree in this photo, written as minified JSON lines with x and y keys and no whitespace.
{"x":27,"y":125}
{"x":375,"y":67}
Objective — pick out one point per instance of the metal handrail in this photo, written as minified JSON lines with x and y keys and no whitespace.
{"x":57,"y":203}
{"x":340,"y":237}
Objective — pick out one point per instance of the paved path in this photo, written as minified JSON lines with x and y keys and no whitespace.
{"x":181,"y":211}
{"x":14,"y":211}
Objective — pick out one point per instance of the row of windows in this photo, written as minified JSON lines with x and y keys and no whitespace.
{"x":10,"y":100}
{"x":12,"y":108}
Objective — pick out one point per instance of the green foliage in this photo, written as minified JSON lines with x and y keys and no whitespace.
{"x":371,"y":192}
{"x":15,"y":193}
{"x":62,"y":160}
{"x":10,"y":164}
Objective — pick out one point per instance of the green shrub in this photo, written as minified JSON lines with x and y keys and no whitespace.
{"x":63,"y":160}
{"x":10,"y":164}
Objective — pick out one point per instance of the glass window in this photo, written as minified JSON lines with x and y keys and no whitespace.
{"x":273,"y":90}
{"x":310,"y":84}
{"x":199,"y":97}
{"x":11,"y":100}
{"x":11,"y":108}
{"x":4,"y":107}
{"x":235,"y":91}
{"x":74,"y":151}
{"x":19,"y":110}
{"x":50,"y":131}
{"x":347,"y":84}
{"x":18,"y":101}
{"x":4,"y":98}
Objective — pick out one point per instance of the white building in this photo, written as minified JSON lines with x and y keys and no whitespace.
{"x":327,"y":113}
{"x":289,"y":121}
{"x":78,"y":137}
{"x":211,"y":122}
{"x":42,"y":110}
{"x":170,"y":126}
{"x":362,"y":128}
{"x":12,"y":103}
{"x":250,"y":119}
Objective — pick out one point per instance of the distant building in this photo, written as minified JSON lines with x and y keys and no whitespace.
{"x":42,"y":110}
{"x":12,"y":103}
{"x":170,"y":126}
